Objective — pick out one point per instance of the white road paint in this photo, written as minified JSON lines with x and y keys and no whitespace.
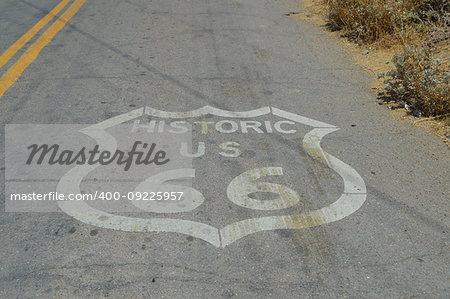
{"x":230,"y":149}
{"x":300,"y":119}
{"x":350,"y":201}
{"x":227,"y":126}
{"x":204,"y":126}
{"x":241,"y":186}
{"x":70,"y":183}
{"x":353,"y":182}
{"x":251,"y":124}
{"x":201,"y":149}
{"x":280,"y":129}
{"x":352,"y":198}
{"x":344,"y":206}
{"x":224,"y":126}
{"x":205,"y":111}
{"x":192,"y":197}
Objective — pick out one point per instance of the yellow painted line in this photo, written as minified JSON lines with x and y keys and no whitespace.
{"x":8,"y":54}
{"x":14,"y":73}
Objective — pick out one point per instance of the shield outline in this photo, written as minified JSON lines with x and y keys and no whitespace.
{"x":350,"y":201}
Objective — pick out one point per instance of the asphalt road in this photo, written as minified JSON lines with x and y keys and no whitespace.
{"x":388,"y":240}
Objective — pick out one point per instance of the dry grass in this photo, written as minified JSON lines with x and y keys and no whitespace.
{"x":420,"y":80}
{"x":369,"y":21}
{"x":407,"y":40}
{"x":420,"y":76}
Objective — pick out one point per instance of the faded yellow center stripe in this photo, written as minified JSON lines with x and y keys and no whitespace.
{"x":8,"y":54}
{"x":16,"y":70}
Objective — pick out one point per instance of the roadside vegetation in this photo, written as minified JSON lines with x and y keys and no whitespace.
{"x":420,"y":75}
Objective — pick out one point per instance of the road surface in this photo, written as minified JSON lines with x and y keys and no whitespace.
{"x":365,"y":214}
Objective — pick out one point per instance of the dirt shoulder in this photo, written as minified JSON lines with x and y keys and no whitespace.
{"x":376,"y":59}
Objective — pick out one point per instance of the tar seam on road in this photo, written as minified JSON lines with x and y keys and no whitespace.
{"x":14,"y":73}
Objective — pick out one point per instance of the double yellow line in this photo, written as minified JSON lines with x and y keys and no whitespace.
{"x":16,"y":70}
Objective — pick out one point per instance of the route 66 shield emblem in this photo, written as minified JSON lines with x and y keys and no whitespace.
{"x":245,"y":190}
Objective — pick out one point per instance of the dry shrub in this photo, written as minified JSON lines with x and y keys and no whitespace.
{"x":368,"y":21}
{"x":420,"y":80}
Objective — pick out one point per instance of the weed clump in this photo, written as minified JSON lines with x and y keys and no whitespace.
{"x":420,"y":80}
{"x":368,"y":21}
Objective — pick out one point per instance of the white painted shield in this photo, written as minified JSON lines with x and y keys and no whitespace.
{"x":352,"y":198}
